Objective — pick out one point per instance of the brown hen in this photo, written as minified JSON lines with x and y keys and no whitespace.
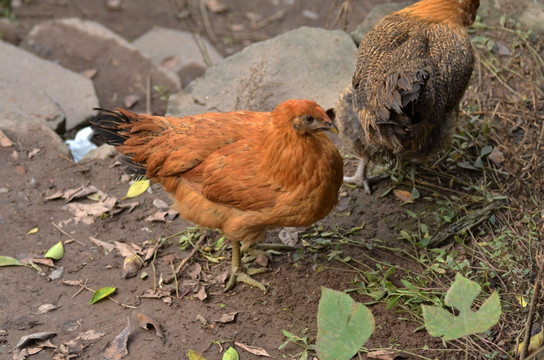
{"x":242,"y":172}
{"x":412,"y":70}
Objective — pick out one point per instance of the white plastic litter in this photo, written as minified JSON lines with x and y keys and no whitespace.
{"x":81,"y":144}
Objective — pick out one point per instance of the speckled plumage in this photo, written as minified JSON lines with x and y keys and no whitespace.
{"x":412,"y":70}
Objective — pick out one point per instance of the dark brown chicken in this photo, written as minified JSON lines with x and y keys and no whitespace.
{"x":242,"y":172}
{"x":412,"y":70}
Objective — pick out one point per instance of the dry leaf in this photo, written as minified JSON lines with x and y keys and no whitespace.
{"x":33,"y":153}
{"x":86,"y":213}
{"x":45,"y":308}
{"x":261,"y":260}
{"x":4,"y":140}
{"x":56,"y":195}
{"x":91,"y":335}
{"x":289,"y":236}
{"x":80,"y":192}
{"x":130,"y":206}
{"x":124,"y":249}
{"x":145,"y":321}
{"x":109,"y":247}
{"x":194,"y":270}
{"x":201,"y":294}
{"x":403,"y":195}
{"x":252,"y":349}
{"x":89,"y":73}
{"x":28,"y":339}
{"x":161,"y":204}
{"x":496,"y":156}
{"x":73,"y":282}
{"x":385,"y":355}
{"x":20,"y":169}
{"x":170,"y":62}
{"x":227,"y":317}
{"x":117,"y":349}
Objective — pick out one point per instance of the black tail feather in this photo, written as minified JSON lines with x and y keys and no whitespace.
{"x":107,"y":126}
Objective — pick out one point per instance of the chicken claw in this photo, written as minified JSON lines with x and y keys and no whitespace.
{"x":239,"y":274}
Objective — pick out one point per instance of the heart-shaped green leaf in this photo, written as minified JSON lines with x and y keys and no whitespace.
{"x":343,"y":326}
{"x":230,"y":354}
{"x":56,"y":252}
{"x":102,"y":293}
{"x":461,"y":295}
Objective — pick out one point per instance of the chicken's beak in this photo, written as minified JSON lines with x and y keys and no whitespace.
{"x":333,"y":128}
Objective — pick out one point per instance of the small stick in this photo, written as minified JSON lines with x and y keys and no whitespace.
{"x":65,"y":233}
{"x":532,"y":307}
{"x":206,"y":21}
{"x":184,"y":261}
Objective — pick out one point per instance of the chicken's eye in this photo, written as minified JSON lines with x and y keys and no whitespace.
{"x":307,"y":119}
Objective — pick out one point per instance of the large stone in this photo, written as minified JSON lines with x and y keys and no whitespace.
{"x":306,"y":63}
{"x":25,"y":99}
{"x":25,"y":124}
{"x":179,"y":52}
{"x":121,"y":69}
{"x":377,"y":13}
{"x":72,"y":92}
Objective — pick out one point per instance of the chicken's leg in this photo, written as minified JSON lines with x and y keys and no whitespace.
{"x":237,"y":273}
{"x":359,"y":178}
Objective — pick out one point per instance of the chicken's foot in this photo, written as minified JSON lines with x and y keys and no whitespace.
{"x":239,"y":274}
{"x":359,"y":178}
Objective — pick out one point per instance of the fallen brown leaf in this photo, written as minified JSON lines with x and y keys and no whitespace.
{"x":496,"y":156}
{"x":117,"y":348}
{"x":20,"y":169}
{"x":403,"y":195}
{"x":34,"y":152}
{"x":124,"y":249}
{"x":201,"y":294}
{"x":252,"y":349}
{"x":45,"y":308}
{"x":91,"y":335}
{"x":227,"y":317}
{"x":26,"y":340}
{"x":4,"y":140}
{"x":385,"y":355}
{"x":146,"y":321}
{"x":109,"y":247}
{"x":193,"y":270}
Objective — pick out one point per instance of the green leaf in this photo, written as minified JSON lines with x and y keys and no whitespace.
{"x":461,"y":295}
{"x":343,"y":326}
{"x":56,"y":252}
{"x":415,"y":193}
{"x":486,"y":150}
{"x":9,"y":261}
{"x":137,"y":188}
{"x":193,"y":355}
{"x":230,"y":354}
{"x":102,"y":293}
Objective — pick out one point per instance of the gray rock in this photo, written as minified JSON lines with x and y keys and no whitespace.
{"x":72,"y":92}
{"x":179,"y":52}
{"x":23,"y":124}
{"x":531,"y":15}
{"x":82,"y":45}
{"x":25,"y":99}
{"x":306,"y":63}
{"x":102,"y":152}
{"x":377,"y":13}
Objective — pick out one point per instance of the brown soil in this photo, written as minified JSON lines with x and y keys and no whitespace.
{"x":294,"y":284}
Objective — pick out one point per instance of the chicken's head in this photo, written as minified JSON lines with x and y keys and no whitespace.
{"x":305,"y":116}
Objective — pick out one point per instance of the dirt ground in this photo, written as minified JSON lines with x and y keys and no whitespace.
{"x":29,"y":176}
